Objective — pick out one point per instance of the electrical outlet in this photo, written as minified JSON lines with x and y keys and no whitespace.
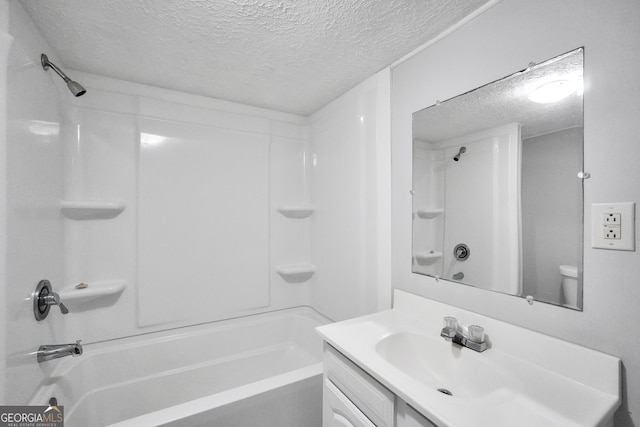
{"x":612,"y":233}
{"x":613,"y":226}
{"x":612,"y":218}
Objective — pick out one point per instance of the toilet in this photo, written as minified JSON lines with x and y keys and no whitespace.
{"x":569,"y":285}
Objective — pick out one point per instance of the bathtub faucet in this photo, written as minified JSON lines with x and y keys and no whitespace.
{"x":49,"y":352}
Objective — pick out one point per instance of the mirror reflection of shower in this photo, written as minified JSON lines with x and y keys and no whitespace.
{"x":458,"y":196}
{"x":461,"y":152}
{"x":474,"y":206}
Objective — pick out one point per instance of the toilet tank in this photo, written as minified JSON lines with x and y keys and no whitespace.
{"x":569,"y":271}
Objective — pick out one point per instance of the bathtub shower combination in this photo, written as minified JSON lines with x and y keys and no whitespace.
{"x":259,"y":370}
{"x":178,"y":251}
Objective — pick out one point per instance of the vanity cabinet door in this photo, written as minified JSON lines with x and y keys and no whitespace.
{"x":406,"y":416}
{"x":370,"y":397}
{"x":338,"y":411}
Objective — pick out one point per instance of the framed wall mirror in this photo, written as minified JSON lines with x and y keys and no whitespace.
{"x":498,"y":185}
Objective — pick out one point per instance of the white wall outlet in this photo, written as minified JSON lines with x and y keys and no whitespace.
{"x":613,"y":226}
{"x":612,"y":218}
{"x":612,"y":232}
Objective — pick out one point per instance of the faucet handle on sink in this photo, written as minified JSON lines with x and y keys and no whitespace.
{"x":451,"y":323}
{"x":476,"y":333}
{"x":450,"y":327}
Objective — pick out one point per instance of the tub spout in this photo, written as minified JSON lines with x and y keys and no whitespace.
{"x":49,"y":352}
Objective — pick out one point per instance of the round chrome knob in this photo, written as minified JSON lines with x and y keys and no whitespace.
{"x":461,"y":252}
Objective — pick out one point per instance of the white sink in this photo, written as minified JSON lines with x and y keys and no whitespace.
{"x":524,"y":378}
{"x":443,"y":366}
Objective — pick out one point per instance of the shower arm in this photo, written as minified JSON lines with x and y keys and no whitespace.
{"x":46,"y":64}
{"x":75,"y":87}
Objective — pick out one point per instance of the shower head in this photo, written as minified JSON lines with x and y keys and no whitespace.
{"x":462,"y":151}
{"x":75,"y":87}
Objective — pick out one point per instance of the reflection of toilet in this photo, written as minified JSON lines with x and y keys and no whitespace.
{"x":569,"y":285}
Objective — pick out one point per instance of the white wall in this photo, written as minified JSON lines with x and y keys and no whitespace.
{"x":505,"y":39}
{"x":350,"y":227}
{"x":33,"y":167}
{"x":200,"y":237}
{"x":551,"y":211}
{"x":337,"y":161}
{"x":5,"y":43}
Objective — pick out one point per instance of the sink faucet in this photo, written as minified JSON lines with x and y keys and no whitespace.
{"x":49,"y":352}
{"x":474,"y":339}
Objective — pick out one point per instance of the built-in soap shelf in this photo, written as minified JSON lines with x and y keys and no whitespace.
{"x":296,"y":273}
{"x":428,"y":258}
{"x":296,"y":211}
{"x":429,"y":213}
{"x":83,"y":210}
{"x":76,"y":295}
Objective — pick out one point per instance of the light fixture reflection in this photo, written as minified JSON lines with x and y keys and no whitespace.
{"x":44,"y":128}
{"x":557,"y":90}
{"x":151,"y":140}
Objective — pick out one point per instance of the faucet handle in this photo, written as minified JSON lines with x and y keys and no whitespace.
{"x":451,"y":323}
{"x":476,"y":333}
{"x":54,"y":299}
{"x":63,"y":308}
{"x":450,"y":328}
{"x":44,"y":298}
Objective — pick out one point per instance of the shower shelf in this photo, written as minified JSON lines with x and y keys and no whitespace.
{"x":428,"y":258}
{"x":93,"y":291}
{"x":296,"y":211}
{"x":296,"y":273}
{"x":82,"y":210}
{"x":429,"y":213}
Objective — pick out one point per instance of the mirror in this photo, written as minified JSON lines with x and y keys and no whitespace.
{"x":497,"y":185}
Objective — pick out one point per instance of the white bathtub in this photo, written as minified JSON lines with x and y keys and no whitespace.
{"x":262,"y":370}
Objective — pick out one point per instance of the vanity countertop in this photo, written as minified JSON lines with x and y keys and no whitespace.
{"x":524,"y":378}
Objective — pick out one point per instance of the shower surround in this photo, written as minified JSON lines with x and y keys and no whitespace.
{"x":178,"y":209}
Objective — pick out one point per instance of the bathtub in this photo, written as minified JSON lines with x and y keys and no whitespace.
{"x":260,"y":370}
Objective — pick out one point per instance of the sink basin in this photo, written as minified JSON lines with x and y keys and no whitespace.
{"x":524,"y":379}
{"x":441,"y":365}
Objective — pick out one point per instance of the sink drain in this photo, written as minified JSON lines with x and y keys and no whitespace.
{"x":445,"y":391}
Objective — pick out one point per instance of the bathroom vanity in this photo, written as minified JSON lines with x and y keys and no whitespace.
{"x":394,"y":368}
{"x":351,"y":397}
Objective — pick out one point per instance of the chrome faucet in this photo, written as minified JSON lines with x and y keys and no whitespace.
{"x":474,"y":339}
{"x":49,"y":352}
{"x":44,"y":298}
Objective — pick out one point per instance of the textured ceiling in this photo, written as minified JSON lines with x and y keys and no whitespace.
{"x":507,"y":101}
{"x":286,"y":55}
